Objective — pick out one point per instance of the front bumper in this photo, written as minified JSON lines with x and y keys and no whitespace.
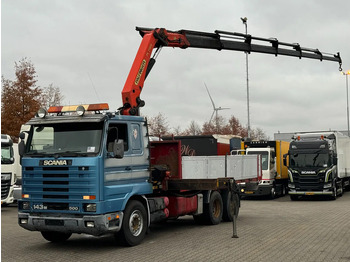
{"x":102,"y":224}
{"x":17,"y":192}
{"x":309,"y":193}
{"x":251,"y":189}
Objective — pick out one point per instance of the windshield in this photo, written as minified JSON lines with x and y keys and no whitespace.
{"x":68,"y":139}
{"x":6,"y":154}
{"x":310,"y":160}
{"x":264,"y":158}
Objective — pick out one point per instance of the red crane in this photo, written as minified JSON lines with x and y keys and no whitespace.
{"x":220,"y":40}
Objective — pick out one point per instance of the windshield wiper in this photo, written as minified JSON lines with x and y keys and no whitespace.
{"x":37,"y":154}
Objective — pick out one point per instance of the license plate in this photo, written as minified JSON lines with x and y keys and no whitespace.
{"x":249,"y":192}
{"x":309,"y":193}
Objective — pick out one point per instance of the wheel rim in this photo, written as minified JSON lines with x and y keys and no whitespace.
{"x":216,"y":208}
{"x":136,"y":223}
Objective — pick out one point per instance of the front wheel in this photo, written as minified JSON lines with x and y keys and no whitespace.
{"x":134,"y":225}
{"x":294,"y":197}
{"x":53,"y":236}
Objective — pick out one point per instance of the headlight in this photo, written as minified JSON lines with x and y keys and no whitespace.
{"x":290,"y":185}
{"x":5,"y":176}
{"x":90,"y":207}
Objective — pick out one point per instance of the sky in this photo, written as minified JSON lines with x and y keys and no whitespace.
{"x":86,"y":48}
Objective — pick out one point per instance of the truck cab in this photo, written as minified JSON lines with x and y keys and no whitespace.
{"x":274,"y":174}
{"x":318,"y":164}
{"x":268,"y":160}
{"x":82,"y":169}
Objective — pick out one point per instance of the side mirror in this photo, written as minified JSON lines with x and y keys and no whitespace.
{"x":285,"y":159}
{"x":273,"y":160}
{"x":118,"y":148}
{"x":21,"y":145}
{"x":22,"y":135}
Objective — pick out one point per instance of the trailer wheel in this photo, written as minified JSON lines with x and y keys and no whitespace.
{"x":230,"y":207}
{"x":134,"y":225}
{"x":213,"y":211}
{"x":55,"y":237}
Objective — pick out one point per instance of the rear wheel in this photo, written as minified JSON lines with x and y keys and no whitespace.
{"x":54,"y":236}
{"x":134,"y":225}
{"x":214,"y":210}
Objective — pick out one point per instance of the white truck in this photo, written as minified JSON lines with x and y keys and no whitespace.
{"x":319,"y":164}
{"x":274,"y":178}
{"x":10,"y":169}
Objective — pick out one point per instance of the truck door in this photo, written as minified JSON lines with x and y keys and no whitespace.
{"x":126,"y":175}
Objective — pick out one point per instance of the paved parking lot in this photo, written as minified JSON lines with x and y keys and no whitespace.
{"x":268,"y":230}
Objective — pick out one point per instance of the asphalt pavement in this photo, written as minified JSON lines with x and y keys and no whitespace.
{"x":312,"y":229}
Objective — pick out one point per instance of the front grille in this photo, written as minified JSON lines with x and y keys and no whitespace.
{"x":58,"y":188}
{"x":5,"y":188}
{"x":310,"y":183}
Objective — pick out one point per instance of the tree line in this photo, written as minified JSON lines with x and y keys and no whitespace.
{"x":158,"y":126}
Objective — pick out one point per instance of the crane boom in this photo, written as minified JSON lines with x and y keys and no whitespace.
{"x":219,"y":40}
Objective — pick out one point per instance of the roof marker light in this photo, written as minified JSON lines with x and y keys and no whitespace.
{"x":74,"y":108}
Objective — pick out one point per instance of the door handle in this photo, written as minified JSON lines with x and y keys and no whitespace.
{"x":128,"y":168}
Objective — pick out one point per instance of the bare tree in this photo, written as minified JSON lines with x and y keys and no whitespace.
{"x":158,"y":125}
{"x":193,"y":129}
{"x":51,"y":96}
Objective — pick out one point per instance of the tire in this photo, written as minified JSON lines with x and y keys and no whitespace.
{"x":229,"y":206}
{"x":283,"y":190}
{"x":273,"y":193}
{"x":334,"y":194}
{"x":294,"y":197}
{"x":55,"y":237}
{"x":134,"y":225}
{"x":214,"y":210}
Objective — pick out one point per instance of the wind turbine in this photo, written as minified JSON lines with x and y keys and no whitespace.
{"x":216,"y":109}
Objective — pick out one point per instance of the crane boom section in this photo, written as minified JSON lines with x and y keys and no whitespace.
{"x":219,"y":40}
